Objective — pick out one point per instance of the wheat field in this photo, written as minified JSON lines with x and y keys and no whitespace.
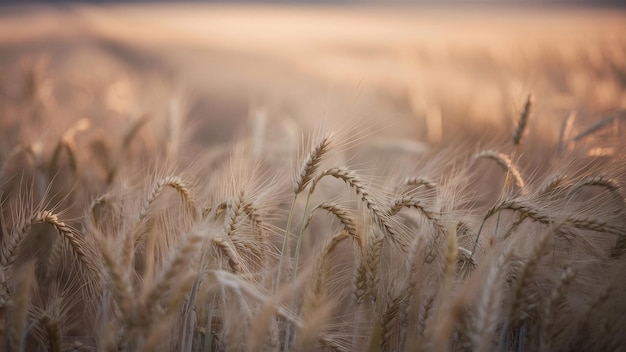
{"x":312,"y":178}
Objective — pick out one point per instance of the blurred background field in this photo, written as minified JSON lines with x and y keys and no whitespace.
{"x":472,"y":65}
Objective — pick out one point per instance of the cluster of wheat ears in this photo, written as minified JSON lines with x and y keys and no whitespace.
{"x":467,"y":251}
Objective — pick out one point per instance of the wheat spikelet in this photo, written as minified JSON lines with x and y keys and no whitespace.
{"x":359,"y":282}
{"x":523,"y":121}
{"x":226,"y":247}
{"x":257,"y":224}
{"x":311,"y":164}
{"x":505,"y":162}
{"x":236,"y":208}
{"x":374,"y":246}
{"x":390,"y":319}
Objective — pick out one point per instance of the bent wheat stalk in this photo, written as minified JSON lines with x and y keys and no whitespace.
{"x":505,"y":162}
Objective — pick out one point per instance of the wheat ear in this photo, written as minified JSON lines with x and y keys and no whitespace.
{"x":390,"y":319}
{"x":342,"y":214}
{"x":77,"y":243}
{"x":523,"y":121}
{"x":138,"y":232}
{"x":600,"y":125}
{"x":304,"y":177}
{"x":174,"y":182}
{"x":521,"y":296}
{"x":311,"y":164}
{"x":487,"y":310}
{"x":412,"y":202}
{"x":374,"y":247}
{"x":225,"y":245}
{"x":120,"y":283}
{"x":567,"y":277}
{"x":533,"y":213}
{"x":609,"y":184}
{"x":409,"y":289}
{"x":380,"y":216}
{"x":552,"y":184}
{"x":167,"y":280}
{"x":505,"y":163}
{"x":566,"y":131}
